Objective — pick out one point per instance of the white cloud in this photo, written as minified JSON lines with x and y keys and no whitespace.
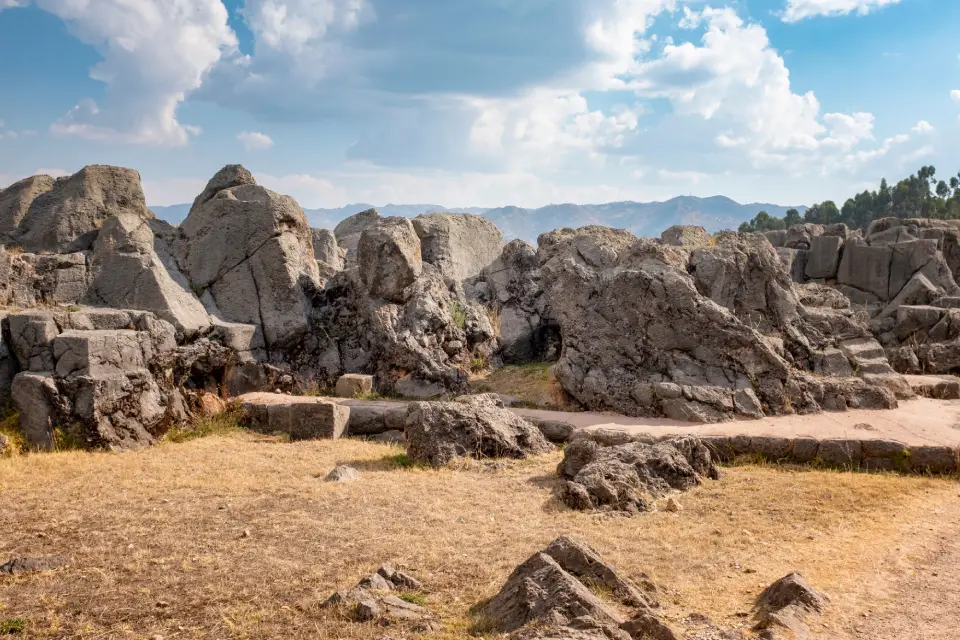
{"x":297,"y":26}
{"x":955,"y":95}
{"x":9,"y":4}
{"x":154,"y":53}
{"x":255,"y":140}
{"x":738,"y":81}
{"x":923,"y":127}
{"x":694,"y":177}
{"x":800,"y":9}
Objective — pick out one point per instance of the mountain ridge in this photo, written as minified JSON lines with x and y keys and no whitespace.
{"x":641,"y":218}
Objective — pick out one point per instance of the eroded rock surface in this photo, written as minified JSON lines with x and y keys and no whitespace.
{"x":630,"y":477}
{"x":474,"y":426}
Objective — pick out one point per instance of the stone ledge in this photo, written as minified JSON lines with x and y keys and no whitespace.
{"x":852,"y":454}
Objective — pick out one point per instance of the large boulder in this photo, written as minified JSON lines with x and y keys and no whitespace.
{"x":568,"y":591}
{"x":129,"y":273}
{"x":685,"y":236}
{"x":630,"y":477}
{"x":701,"y":335}
{"x":250,"y":251}
{"x":475,"y":426}
{"x":106,"y":375}
{"x":30,"y":279}
{"x":389,"y":258}
{"x":330,"y":257}
{"x":16,"y":199}
{"x":510,"y":288}
{"x":350,"y":229}
{"x":458,"y":244}
{"x":67,"y":217}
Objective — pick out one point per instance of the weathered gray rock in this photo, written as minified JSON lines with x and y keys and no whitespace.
{"x":548,"y":597}
{"x":29,"y":279}
{"x":37,"y":399}
{"x":16,"y":199}
{"x":232,"y":175}
{"x":66,"y":217}
{"x":460,"y":245}
{"x":867,"y":268}
{"x":300,"y":417}
{"x":330,"y":257}
{"x":795,"y":262}
{"x":823,"y":257}
{"x":352,"y":384}
{"x":388,"y":258}
{"x":343,"y":473}
{"x":631,"y":476}
{"x":128,"y":273}
{"x":685,"y":236}
{"x":250,"y":251}
{"x":372,"y":601}
{"x":349,"y":230}
{"x":785,"y":604}
{"x":800,"y":236}
{"x":474,"y":426}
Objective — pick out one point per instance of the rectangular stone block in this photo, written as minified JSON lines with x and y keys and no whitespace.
{"x":301,"y":418}
{"x":866,"y":268}
{"x":352,"y":384}
{"x":823,"y":257}
{"x":100,"y":353}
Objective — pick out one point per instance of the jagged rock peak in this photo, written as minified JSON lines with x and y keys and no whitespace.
{"x":232,"y":175}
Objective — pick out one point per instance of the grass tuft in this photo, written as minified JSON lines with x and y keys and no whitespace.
{"x":12,"y":626}
{"x":222,"y":424}
{"x":459,"y":314}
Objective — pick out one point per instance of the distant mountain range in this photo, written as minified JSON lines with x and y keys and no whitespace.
{"x":645,"y":219}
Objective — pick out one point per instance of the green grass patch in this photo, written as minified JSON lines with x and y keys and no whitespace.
{"x":414,"y":598}
{"x":229,"y":421}
{"x":459,"y":313}
{"x":12,"y":626}
{"x":368,"y":395}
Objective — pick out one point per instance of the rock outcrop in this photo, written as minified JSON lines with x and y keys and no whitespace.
{"x":106,"y":376}
{"x":127,"y":272}
{"x":65,"y":216}
{"x":553,"y":595}
{"x":250,"y":252}
{"x":375,"y":600}
{"x":701,"y":335}
{"x":474,"y":426}
{"x":330,"y":257}
{"x":459,"y":245}
{"x":630,"y":477}
{"x":388,"y":259}
{"x":782,"y":607}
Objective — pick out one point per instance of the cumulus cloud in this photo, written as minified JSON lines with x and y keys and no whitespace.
{"x":955,"y":95}
{"x":922,"y":127}
{"x":154,"y":53}
{"x":255,"y":140}
{"x":797,"y":10}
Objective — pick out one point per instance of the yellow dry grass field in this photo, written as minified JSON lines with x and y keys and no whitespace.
{"x":238,"y":536}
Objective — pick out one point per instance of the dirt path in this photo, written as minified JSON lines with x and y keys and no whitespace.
{"x":914,"y":594}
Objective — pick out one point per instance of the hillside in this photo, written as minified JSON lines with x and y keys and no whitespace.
{"x":642,"y":218}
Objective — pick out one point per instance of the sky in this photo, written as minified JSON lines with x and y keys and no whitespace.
{"x":485,"y":102}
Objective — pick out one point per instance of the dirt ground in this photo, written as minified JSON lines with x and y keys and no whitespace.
{"x":239,"y":537}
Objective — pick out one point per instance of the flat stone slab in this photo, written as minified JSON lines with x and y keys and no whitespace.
{"x":300,"y":417}
{"x":927,"y":428}
{"x":943,"y":387}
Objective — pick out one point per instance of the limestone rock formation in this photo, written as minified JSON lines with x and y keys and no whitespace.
{"x":350,"y":229}
{"x":127,"y":272}
{"x":460,"y":245}
{"x":67,"y":216}
{"x":330,"y":257}
{"x":783,"y":606}
{"x":631,"y":476}
{"x":16,"y":199}
{"x":106,"y":374}
{"x":29,"y":279}
{"x":374,"y":600}
{"x":552,"y":595}
{"x":250,"y":251}
{"x":388,"y":258}
{"x":699,"y":335}
{"x":474,"y":426}
{"x":685,"y":236}
{"x":510,"y":287}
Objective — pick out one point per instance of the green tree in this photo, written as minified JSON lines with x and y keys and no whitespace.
{"x":791,"y":218}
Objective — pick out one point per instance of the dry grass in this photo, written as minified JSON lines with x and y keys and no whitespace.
{"x":533,"y":383}
{"x":157,"y":543}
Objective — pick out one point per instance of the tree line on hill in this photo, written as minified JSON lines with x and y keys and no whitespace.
{"x":919,"y":196}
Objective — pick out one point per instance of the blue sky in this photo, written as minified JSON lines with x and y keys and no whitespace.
{"x":485,"y":102}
